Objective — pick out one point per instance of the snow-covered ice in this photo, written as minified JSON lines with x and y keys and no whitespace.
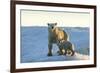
{"x":34,"y":44}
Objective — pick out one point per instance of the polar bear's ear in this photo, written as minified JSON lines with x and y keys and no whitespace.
{"x":48,"y":24}
{"x":55,"y":23}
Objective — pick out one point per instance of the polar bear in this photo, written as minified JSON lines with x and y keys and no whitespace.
{"x":55,"y":36}
{"x":67,"y":48}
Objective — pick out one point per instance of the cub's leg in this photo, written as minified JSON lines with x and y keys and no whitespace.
{"x":60,"y":52}
{"x":69,"y":52}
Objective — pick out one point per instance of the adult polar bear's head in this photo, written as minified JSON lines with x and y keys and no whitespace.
{"x":51,"y":26}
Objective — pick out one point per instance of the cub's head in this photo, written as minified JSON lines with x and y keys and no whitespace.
{"x":51,"y":26}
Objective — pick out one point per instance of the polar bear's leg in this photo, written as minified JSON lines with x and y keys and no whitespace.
{"x":49,"y":49}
